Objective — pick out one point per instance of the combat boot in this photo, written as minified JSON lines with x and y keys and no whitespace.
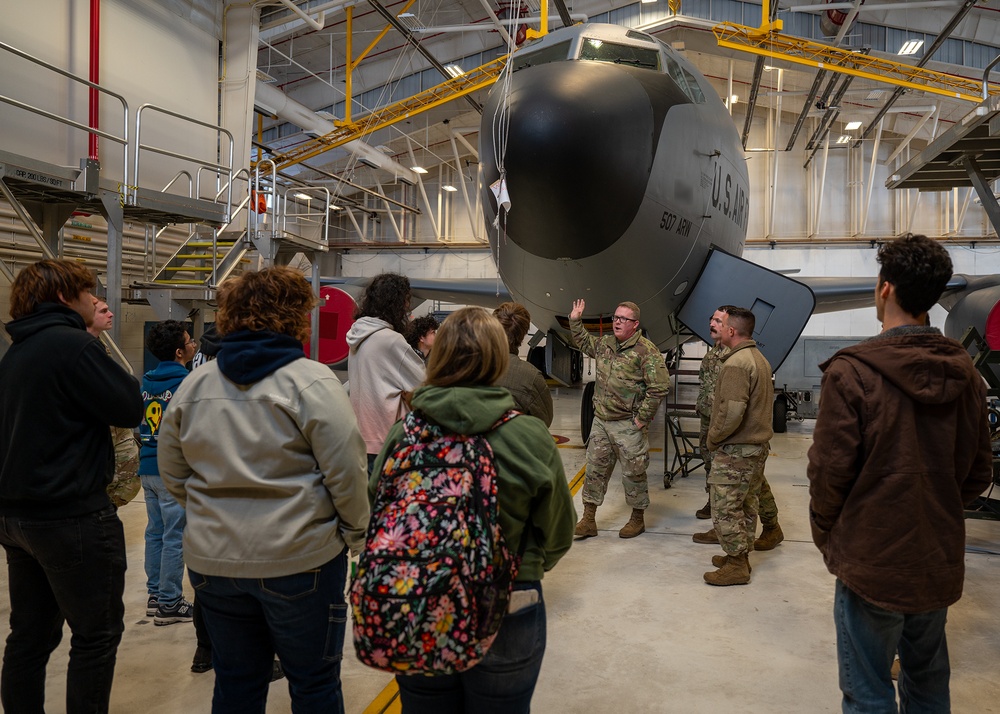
{"x":719,"y":560}
{"x":710,"y":537}
{"x":705,"y":512}
{"x":635,"y":525}
{"x":587,"y":526}
{"x":769,"y":537}
{"x":736,"y":571}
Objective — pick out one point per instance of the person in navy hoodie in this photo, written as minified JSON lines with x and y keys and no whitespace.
{"x":170,"y":343}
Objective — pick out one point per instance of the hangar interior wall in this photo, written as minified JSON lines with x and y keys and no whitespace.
{"x":148,"y":53}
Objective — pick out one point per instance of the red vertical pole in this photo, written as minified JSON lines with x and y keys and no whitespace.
{"x":95,"y":75}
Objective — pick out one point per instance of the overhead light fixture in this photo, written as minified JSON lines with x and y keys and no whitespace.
{"x":302,"y":196}
{"x":844,"y":139}
{"x":449,"y":188}
{"x":646,"y":2}
{"x":910,"y":47}
{"x":769,"y":67}
{"x":334,"y":207}
{"x":454,"y":70}
{"x":418,"y":169}
{"x":264,"y":77}
{"x":368,"y":162}
{"x":852,"y":125}
{"x":875,"y":94}
{"x":733,"y":99}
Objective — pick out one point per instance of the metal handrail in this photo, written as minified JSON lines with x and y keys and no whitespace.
{"x":308,"y":215}
{"x":122,"y":140}
{"x":203,"y":163}
{"x":180,"y":173}
{"x":256,"y":186}
{"x":986,"y":76}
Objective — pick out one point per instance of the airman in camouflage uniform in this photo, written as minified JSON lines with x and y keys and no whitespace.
{"x":631,"y":382}
{"x":708,"y":374}
{"x":125,"y":483}
{"x":739,"y":433}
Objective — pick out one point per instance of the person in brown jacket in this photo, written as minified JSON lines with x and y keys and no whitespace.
{"x":738,"y":437}
{"x":901,"y":444}
{"x":523,"y":380}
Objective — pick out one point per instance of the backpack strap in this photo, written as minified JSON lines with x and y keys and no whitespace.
{"x":507,"y":416}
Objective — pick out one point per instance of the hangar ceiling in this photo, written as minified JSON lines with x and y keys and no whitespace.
{"x":309,"y":66}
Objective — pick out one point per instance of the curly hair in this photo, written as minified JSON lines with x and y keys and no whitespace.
{"x":516,"y":320}
{"x":45,"y":281}
{"x":387,"y":297}
{"x":918,"y":268}
{"x":419,"y":327}
{"x":165,"y":338}
{"x":277,"y":299}
{"x":470,"y":349}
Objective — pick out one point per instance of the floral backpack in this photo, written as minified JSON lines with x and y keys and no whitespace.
{"x":435,"y":577}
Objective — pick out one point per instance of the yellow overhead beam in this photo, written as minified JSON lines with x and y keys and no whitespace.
{"x":815,"y":54}
{"x":443,"y":93}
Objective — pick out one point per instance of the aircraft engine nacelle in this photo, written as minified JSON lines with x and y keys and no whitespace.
{"x":979,"y":309}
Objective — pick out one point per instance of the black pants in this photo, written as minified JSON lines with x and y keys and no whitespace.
{"x":67,"y":570}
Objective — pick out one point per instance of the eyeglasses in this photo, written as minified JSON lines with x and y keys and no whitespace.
{"x":190,"y":342}
{"x":622,"y":318}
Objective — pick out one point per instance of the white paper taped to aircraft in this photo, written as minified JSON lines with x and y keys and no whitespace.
{"x":499,"y":189}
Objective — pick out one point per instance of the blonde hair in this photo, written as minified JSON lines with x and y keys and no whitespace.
{"x":470,"y":349}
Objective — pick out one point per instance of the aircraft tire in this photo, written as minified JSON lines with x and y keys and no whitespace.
{"x":587,"y":411}
{"x":779,"y":416}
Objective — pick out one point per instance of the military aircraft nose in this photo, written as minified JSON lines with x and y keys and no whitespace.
{"x":579,"y":151}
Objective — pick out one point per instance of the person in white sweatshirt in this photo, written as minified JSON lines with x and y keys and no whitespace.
{"x":382,"y":369}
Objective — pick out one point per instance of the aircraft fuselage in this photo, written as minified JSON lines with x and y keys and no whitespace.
{"x":623,"y":169}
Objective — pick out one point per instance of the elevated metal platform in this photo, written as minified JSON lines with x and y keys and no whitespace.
{"x":31,"y":180}
{"x":968,"y":154}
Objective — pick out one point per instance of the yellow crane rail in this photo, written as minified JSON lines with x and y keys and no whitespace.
{"x":815,"y":54}
{"x":443,"y":93}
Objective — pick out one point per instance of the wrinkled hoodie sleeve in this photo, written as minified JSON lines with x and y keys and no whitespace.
{"x":329,"y":425}
{"x":836,"y":453}
{"x":411,"y":368}
{"x":174,"y":468}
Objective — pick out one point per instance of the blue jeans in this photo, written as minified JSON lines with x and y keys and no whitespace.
{"x":72,"y":570}
{"x":165,"y":522}
{"x":867,"y":639}
{"x":301,"y":617}
{"x":501,"y":684}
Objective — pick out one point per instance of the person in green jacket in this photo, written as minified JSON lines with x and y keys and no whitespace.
{"x":470,"y":354}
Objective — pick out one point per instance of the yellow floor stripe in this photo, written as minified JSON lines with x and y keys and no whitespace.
{"x":387,"y":702}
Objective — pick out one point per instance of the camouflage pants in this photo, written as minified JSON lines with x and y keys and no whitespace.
{"x":612,"y":441}
{"x":735,"y":485}
{"x":706,"y":454}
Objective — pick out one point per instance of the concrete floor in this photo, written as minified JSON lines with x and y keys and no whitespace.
{"x":632,"y":626}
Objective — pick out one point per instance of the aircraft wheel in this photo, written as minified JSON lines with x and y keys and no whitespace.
{"x":536,"y":357}
{"x":587,"y":411}
{"x":779,"y":417}
{"x":576,"y":366}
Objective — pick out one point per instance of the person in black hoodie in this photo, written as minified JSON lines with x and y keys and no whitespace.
{"x":59,"y":394}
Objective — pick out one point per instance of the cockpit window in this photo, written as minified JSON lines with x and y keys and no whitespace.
{"x":601,"y":51}
{"x":684,"y":80}
{"x":694,"y":89}
{"x":555,"y":53}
